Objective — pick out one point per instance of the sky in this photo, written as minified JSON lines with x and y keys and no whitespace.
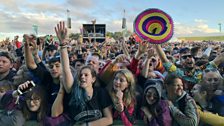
{"x":191,"y":17}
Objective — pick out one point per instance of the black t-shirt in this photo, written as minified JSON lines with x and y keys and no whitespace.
{"x":46,"y":80}
{"x":94,"y":107}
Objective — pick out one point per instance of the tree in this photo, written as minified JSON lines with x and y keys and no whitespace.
{"x":74,"y":36}
{"x":109,"y":34}
{"x":117,"y":35}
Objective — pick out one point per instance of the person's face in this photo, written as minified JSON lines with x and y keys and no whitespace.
{"x":187,"y":61}
{"x":153,"y":62}
{"x":152,"y":96}
{"x":55,"y":69}
{"x":175,"y":90}
{"x":78,"y":65}
{"x":52,"y":52}
{"x":195,"y":91}
{"x":5,"y":64}
{"x":86,"y":79}
{"x":84,"y":55}
{"x":33,"y":103}
{"x":94,"y":63}
{"x":120,"y":82}
{"x":73,"y":57}
{"x":212,"y":80}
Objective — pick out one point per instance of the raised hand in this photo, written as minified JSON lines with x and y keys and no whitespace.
{"x":119,"y":106}
{"x":119,"y":95}
{"x":142,"y":48}
{"x":151,"y":52}
{"x":61,"y":32}
{"x":120,"y":58}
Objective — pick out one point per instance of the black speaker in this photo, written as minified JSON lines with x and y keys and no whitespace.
{"x":123,"y":23}
{"x":69,"y":23}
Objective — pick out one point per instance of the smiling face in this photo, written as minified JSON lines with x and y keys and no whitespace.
{"x":120,"y":82}
{"x":33,"y":103}
{"x":187,"y":61}
{"x":175,"y":90}
{"x":151,"y":96}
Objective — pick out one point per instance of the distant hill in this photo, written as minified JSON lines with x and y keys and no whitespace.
{"x":201,"y":38}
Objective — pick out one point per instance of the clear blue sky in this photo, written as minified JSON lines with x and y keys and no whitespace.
{"x":191,"y":17}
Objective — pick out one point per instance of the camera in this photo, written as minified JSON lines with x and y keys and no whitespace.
{"x":30,"y":85}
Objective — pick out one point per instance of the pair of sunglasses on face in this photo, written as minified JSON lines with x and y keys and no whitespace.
{"x":186,"y":56}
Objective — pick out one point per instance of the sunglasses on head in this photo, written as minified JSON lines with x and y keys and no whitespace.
{"x":210,"y":70}
{"x":187,"y":56}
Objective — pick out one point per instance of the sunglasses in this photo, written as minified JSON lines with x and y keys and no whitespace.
{"x":187,"y":56}
{"x":214,"y":79}
{"x":210,"y":70}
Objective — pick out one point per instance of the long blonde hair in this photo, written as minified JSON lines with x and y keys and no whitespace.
{"x":129,"y":92}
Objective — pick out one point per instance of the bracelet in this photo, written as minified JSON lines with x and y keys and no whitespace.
{"x":63,"y":47}
{"x":62,"y":44}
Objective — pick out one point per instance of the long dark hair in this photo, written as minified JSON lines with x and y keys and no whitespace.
{"x":155,"y":108}
{"x":36,"y":92}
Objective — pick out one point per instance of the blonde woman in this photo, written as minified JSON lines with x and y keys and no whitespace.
{"x":122,"y":92}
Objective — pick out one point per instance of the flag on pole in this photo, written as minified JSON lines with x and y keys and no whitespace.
{"x":35,"y":29}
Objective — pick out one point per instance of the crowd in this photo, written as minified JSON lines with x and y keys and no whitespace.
{"x":96,"y":84}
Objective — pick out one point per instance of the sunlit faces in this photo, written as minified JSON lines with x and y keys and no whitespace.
{"x":212,"y":80}
{"x":86,"y":78}
{"x":120,"y":82}
{"x":33,"y":103}
{"x":93,"y":61}
{"x":55,"y":69}
{"x":187,"y":61}
{"x":151,"y":96}
{"x":176,"y":89}
{"x":5,"y":64}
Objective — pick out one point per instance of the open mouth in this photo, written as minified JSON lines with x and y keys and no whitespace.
{"x":189,"y":63}
{"x":82,"y":81}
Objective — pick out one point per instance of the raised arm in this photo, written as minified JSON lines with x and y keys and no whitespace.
{"x":145,"y":71}
{"x":161,"y":53}
{"x":124,"y":48}
{"x":30,"y":63}
{"x":142,"y":48}
{"x":57,"y":107}
{"x":61,"y":32}
{"x":34,"y":50}
{"x":219,"y":59}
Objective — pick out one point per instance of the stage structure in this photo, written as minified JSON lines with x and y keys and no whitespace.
{"x":88,"y":32}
